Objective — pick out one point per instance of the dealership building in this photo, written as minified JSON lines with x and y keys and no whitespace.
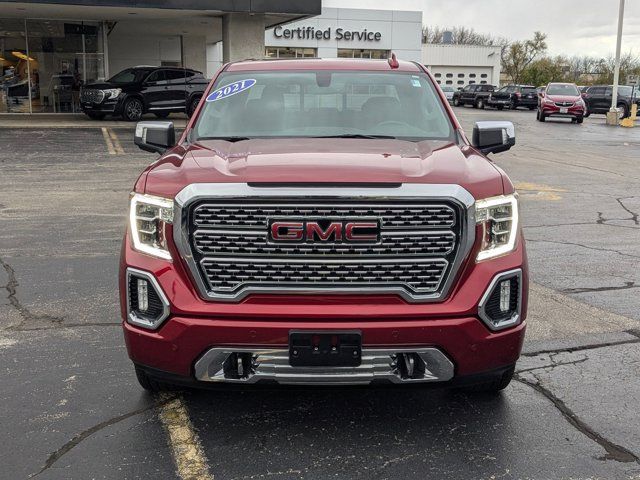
{"x":50,"y":48}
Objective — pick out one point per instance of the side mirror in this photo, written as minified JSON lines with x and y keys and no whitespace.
{"x":494,"y":137}
{"x":155,"y":137}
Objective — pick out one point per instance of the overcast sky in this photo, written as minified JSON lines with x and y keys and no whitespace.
{"x":572,"y":26}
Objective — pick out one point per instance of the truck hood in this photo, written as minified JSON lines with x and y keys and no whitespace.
{"x":324,"y":161}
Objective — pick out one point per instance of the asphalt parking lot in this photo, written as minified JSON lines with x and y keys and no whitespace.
{"x":72,"y":409}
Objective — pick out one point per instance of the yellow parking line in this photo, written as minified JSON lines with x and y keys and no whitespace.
{"x":116,"y":142}
{"x":536,"y":191}
{"x":184,"y":442}
{"x":107,"y":140}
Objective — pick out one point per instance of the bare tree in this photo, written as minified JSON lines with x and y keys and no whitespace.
{"x":519,"y":55}
{"x":460,"y":36}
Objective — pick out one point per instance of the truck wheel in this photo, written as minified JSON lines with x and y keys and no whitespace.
{"x":132,"y":110}
{"x":495,"y":385}
{"x":480,"y":104}
{"x":150,"y":384}
{"x":579,"y":120}
{"x":456,"y":102}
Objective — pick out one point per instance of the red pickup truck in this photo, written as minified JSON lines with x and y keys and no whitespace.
{"x":324,"y":222}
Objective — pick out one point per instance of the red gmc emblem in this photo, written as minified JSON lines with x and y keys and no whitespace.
{"x":324,"y":231}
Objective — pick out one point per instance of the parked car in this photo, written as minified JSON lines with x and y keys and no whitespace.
{"x":448,"y":92}
{"x":598,"y":99}
{"x":476,"y":95}
{"x":561,"y":100}
{"x":514,"y":96}
{"x":136,"y":91}
{"x":281,"y":241}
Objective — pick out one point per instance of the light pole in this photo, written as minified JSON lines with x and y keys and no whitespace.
{"x":612,"y":116}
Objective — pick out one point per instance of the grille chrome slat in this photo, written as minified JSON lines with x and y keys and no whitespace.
{"x":219,"y":242}
{"x":229,"y":215}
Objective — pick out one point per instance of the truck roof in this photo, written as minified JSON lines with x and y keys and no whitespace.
{"x":321,"y":64}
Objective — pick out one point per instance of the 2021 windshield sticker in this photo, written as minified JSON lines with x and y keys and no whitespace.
{"x":231,"y":89}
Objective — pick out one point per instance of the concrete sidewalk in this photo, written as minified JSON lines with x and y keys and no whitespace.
{"x":76,"y":120}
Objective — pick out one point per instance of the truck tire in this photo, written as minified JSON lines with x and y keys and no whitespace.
{"x":495,"y":385}
{"x":132,"y":109}
{"x":456,"y":102}
{"x":480,"y":104}
{"x":579,"y":120}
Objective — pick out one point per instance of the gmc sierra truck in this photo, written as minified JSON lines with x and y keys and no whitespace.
{"x":324,"y":222}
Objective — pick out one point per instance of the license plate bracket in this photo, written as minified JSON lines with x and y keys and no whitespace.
{"x":325,"y":348}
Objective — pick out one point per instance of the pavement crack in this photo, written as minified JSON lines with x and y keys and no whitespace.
{"x":67,"y":326}
{"x":12,"y":289}
{"x":599,"y":249}
{"x":626,"y":286}
{"x":77,"y":439}
{"x":591,"y":346}
{"x":614,"y":451}
{"x":634,"y":215}
{"x":553,"y":365}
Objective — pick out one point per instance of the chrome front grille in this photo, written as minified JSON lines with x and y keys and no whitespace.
{"x":564,"y":104}
{"x":91,"y":95}
{"x":224,"y":237}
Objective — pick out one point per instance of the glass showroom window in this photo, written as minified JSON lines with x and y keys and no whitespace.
{"x":44,"y":64}
{"x":287,"y":52}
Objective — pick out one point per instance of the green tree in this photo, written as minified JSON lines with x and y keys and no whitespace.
{"x":518,"y":56}
{"x":542,"y":71}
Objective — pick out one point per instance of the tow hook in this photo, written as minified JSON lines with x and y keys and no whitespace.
{"x":409,"y":365}
{"x":239,"y":365}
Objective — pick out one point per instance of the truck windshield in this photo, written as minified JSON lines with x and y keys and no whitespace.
{"x":323,"y":104}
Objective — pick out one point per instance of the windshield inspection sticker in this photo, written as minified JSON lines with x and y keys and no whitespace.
{"x":415,"y":81}
{"x":231,"y":89}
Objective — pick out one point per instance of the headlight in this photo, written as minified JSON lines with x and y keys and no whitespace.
{"x":149,"y":217}
{"x":498,"y":217}
{"x":112,"y":93}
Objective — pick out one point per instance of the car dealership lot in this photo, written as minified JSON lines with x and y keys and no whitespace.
{"x":71,"y":407}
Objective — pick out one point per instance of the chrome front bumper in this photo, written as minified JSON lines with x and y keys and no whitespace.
{"x":378,"y":364}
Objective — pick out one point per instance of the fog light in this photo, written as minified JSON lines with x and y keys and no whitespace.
{"x":505,"y":295}
{"x":147,"y":305}
{"x":143,"y":295}
{"x":501,"y":303}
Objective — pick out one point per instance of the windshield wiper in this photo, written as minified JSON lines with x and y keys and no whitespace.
{"x":355,"y":135}
{"x":228,"y":139}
